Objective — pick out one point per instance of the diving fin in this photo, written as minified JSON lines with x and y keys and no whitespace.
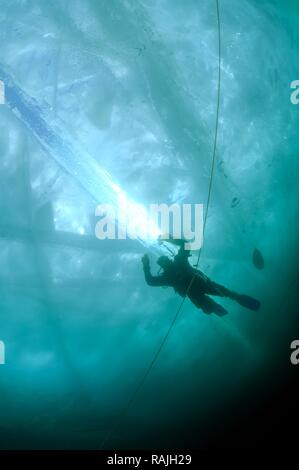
{"x":248,"y":302}
{"x":219,"y":310}
{"x":209,"y":305}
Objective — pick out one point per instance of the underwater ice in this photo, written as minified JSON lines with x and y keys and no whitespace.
{"x":121,"y":96}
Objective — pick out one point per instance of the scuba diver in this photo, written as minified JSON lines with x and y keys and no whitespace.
{"x":191,"y":282}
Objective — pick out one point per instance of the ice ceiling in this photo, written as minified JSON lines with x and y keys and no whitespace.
{"x":108,"y":96}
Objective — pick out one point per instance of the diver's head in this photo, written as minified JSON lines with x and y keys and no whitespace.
{"x":164,"y":262}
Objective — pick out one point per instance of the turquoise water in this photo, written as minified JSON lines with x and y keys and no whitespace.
{"x":124,"y":93}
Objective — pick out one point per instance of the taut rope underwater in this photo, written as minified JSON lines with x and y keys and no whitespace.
{"x":180,"y":307}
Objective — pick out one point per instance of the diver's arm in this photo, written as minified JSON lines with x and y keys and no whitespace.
{"x":157,"y":281}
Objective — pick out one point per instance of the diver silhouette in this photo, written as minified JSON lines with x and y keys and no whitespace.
{"x":178,"y":273}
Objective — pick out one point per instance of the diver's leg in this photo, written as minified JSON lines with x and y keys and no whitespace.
{"x":242,"y":299}
{"x":206,"y":304}
{"x":212,"y":288}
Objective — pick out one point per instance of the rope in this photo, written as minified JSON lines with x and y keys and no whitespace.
{"x":156,"y":355}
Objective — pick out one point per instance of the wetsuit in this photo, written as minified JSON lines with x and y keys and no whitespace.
{"x":180,"y":275}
